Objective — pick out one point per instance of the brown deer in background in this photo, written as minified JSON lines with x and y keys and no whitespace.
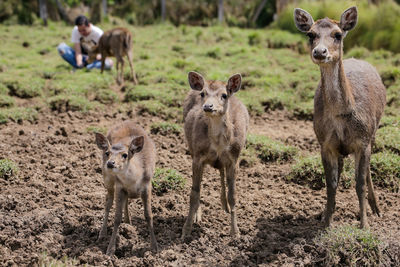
{"x":129,"y":158}
{"x":113,"y":43}
{"x":348,"y":105}
{"x":216,"y":124}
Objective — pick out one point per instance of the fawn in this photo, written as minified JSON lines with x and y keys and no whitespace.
{"x":115,"y":42}
{"x":216,"y":124}
{"x":129,"y":158}
{"x":348,"y":105}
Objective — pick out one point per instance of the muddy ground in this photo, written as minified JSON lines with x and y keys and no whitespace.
{"x":56,"y":202}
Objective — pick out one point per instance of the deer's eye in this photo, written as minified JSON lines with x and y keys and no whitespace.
{"x":202,"y":94}
{"x":107,"y":153}
{"x":224,"y":96}
{"x":124,"y":155}
{"x":338,"y":36}
{"x":311,"y":36}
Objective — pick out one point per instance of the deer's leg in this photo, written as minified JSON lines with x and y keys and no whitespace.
{"x":130,"y":60}
{"x":120,"y":78}
{"x":362,"y":167}
{"x":371,"y":195}
{"x":109,"y":203}
{"x":224,"y":201}
{"x":231,"y":178}
{"x":103,"y":62}
{"x":122,"y":197}
{"x":331,"y":165}
{"x":127,"y":218}
{"x":197,"y":168}
{"x":146,"y":199}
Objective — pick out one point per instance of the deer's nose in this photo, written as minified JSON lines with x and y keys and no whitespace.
{"x":208,"y":107}
{"x":110,"y":164}
{"x":320,"y":52}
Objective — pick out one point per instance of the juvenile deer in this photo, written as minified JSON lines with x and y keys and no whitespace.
{"x":129,"y":157}
{"x":115,"y":42}
{"x":348,"y":105}
{"x":216,"y":124}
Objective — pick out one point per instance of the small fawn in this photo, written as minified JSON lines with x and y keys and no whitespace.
{"x":129,"y":158}
{"x":216,"y":124}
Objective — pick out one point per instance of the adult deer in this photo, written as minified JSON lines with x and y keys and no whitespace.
{"x":216,"y":124}
{"x":348,"y":105}
{"x":115,"y":42}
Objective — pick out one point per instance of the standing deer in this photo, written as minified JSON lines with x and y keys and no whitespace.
{"x":129,"y":158}
{"x":115,"y":42}
{"x":348,"y":105}
{"x":216,"y":124}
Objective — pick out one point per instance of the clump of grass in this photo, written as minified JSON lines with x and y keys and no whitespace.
{"x":349,"y":245}
{"x":390,"y":75}
{"x":138,"y":93}
{"x":47,"y":261}
{"x":270,"y":150}
{"x":64,"y":103}
{"x":388,"y":138}
{"x":96,"y":129}
{"x":214,"y":53}
{"x":166,"y":180}
{"x":310,"y":172}
{"x":254,"y":38}
{"x":6,"y":101}
{"x":385,"y":170}
{"x":156,"y":108}
{"x":8,"y":168}
{"x":26,"y":89}
{"x":165,"y":128}
{"x":18,"y":114}
{"x":248,"y":157}
{"x":105,"y":96}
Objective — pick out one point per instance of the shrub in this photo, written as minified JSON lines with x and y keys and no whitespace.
{"x":8,"y":168}
{"x":270,"y":150}
{"x":349,"y":245}
{"x":166,"y":180}
{"x":165,"y":128}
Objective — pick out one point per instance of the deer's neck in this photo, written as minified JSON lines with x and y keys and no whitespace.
{"x":220,"y":130}
{"x":336,"y":89}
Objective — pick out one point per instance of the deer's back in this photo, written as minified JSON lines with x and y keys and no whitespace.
{"x":124,"y":132}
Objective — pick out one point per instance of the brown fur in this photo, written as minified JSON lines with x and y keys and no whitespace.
{"x":348,"y":105}
{"x":130,"y":177}
{"x":113,"y":43}
{"x":215,"y":138}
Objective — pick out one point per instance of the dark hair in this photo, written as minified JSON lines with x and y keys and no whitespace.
{"x":81,"y":20}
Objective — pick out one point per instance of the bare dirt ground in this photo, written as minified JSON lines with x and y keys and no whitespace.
{"x":56,"y":202}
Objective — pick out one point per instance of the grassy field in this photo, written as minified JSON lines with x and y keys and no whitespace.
{"x":277,"y":75}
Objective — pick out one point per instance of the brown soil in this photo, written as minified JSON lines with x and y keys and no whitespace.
{"x":56,"y":202}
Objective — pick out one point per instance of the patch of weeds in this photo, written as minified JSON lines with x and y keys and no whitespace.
{"x":304,"y":112}
{"x":309,"y":171}
{"x":388,"y":138}
{"x":106,"y":96}
{"x":46,"y":260}
{"x":180,"y":64}
{"x":214,"y":53}
{"x":48,"y":75}
{"x":6,"y":101}
{"x":166,"y":180}
{"x":26,"y":89}
{"x":18,"y":114}
{"x":390,"y":121}
{"x":270,"y":150}
{"x":248,"y":157}
{"x":64,"y":103}
{"x":349,"y":245}
{"x":165,"y":128}
{"x":144,"y":56}
{"x":390,"y":76}
{"x":3,"y":89}
{"x":8,"y":168}
{"x":96,"y":129}
{"x":358,"y":52}
{"x":156,"y":108}
{"x":137,"y":93}
{"x":254,"y":38}
{"x":177,"y":48}
{"x":385,"y":170}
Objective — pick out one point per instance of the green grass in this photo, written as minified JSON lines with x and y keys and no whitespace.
{"x":350,"y":246}
{"x":167,"y":180}
{"x":385,"y":170}
{"x":269,"y":150}
{"x":96,"y":129}
{"x":8,"y":169}
{"x":165,"y":128}
{"x":46,"y":260}
{"x":18,"y":114}
{"x":388,"y":138}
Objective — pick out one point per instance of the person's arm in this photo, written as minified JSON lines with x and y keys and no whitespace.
{"x":78,"y":54}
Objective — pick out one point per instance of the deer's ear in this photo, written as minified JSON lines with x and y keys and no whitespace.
{"x":302,"y":19}
{"x":102,"y":141}
{"x":348,"y":20}
{"x":234,"y":83}
{"x":196,"y":81}
{"x":136,"y":145}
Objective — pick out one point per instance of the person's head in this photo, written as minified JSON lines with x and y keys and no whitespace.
{"x":83,"y":25}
